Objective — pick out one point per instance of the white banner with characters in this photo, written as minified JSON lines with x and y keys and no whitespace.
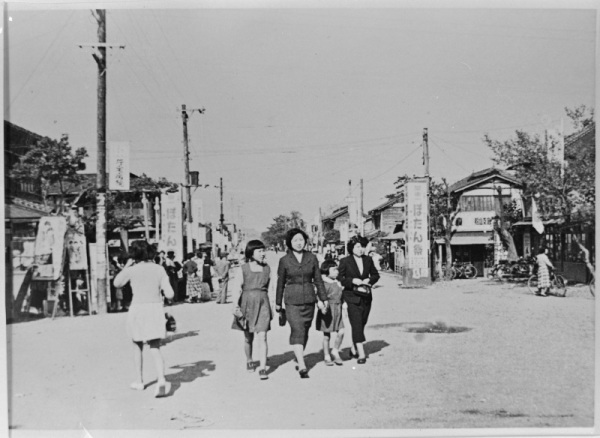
{"x":49,"y":247}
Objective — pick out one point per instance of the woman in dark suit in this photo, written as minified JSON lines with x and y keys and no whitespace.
{"x":298,"y":276}
{"x":355,"y":270}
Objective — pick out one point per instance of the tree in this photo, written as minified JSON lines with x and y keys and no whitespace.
{"x":443,"y":210}
{"x":275,"y":234}
{"x":565,"y":191}
{"x":506,"y":216}
{"x":51,"y":162}
{"x":118,"y":201}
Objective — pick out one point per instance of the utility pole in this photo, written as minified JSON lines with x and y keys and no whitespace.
{"x":188,"y":183}
{"x":188,"y":192}
{"x":361,"y":219}
{"x":426,"y":152}
{"x":222,"y":217}
{"x":100,"y":57}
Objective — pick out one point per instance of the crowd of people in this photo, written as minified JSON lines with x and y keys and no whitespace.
{"x":338,"y":294}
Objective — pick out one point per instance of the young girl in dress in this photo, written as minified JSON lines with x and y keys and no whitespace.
{"x":253,"y":304}
{"x":331,"y":321}
{"x":146,"y":316}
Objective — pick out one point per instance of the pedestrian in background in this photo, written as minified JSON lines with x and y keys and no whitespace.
{"x":356,"y":269}
{"x":222,"y":267}
{"x":192,"y":281}
{"x":207,"y":271}
{"x":173,"y":267}
{"x":543,"y":273}
{"x":146,"y":317}
{"x":252,"y":303}
{"x":298,"y":277}
{"x":331,"y":323}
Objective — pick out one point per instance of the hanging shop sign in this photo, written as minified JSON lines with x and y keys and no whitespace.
{"x":417,"y":269}
{"x":118,"y":165}
{"x":171,"y":237}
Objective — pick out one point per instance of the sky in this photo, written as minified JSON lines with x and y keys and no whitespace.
{"x":299,"y":102}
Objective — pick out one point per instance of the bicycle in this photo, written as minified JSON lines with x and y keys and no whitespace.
{"x":558,"y":284}
{"x":464,"y":270}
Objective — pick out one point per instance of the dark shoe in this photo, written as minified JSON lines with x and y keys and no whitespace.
{"x":304,"y":373}
{"x":353,"y":355}
{"x":362,"y":360}
{"x":263,"y":375}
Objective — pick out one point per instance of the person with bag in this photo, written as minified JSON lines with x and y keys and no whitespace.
{"x":252,"y":310}
{"x":298,"y":277}
{"x":357,"y":275}
{"x":146,"y":317}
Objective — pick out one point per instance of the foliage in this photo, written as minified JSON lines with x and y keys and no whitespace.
{"x":570,"y":196}
{"x":51,"y":162}
{"x":119,"y":201}
{"x":275,"y":234}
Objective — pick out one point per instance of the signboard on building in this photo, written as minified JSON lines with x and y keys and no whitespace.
{"x":118,"y":165}
{"x":171,"y":237}
{"x":49,"y":248}
{"x":417,"y":270}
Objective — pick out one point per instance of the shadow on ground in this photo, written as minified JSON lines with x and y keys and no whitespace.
{"x":188,"y":373}
{"x":177,"y":336}
{"x":423,"y":327}
{"x":313,"y":359}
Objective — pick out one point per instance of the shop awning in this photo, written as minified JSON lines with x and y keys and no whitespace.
{"x":470,"y":239}
{"x":396,"y":236}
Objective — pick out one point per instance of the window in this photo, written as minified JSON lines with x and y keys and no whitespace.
{"x":481,"y":203}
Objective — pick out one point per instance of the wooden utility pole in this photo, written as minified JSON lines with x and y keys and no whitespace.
{"x":188,"y":182}
{"x":188,"y":192}
{"x":426,"y":151}
{"x":222,"y":217}
{"x":361,"y":219}
{"x":100,"y":57}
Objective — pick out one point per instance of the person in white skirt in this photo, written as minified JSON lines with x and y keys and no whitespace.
{"x":146,"y":316}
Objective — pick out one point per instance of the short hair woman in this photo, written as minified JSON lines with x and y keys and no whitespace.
{"x":146,"y":316}
{"x":253,"y":304}
{"x":357,"y":270}
{"x":298,"y":277}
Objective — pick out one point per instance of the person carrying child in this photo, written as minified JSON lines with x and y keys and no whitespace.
{"x":331,"y":322}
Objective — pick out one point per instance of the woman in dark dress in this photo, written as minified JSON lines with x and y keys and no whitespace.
{"x":356,"y":270}
{"x":298,"y":277}
{"x":253,"y":304}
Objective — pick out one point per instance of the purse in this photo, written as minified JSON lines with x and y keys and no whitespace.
{"x":170,"y":324}
{"x":240,"y":320}
{"x":364,"y":290}
{"x":282,"y":317}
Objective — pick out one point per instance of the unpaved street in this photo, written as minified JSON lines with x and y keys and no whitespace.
{"x":503,"y":358}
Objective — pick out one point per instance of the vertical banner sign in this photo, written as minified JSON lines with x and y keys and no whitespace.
{"x":49,"y":248}
{"x":417,"y":272}
{"x":76,"y":245}
{"x":171,"y":238}
{"x":118,"y":166}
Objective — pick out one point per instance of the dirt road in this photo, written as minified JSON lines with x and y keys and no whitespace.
{"x":464,"y":354}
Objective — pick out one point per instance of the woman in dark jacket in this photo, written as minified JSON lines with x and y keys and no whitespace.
{"x":355,"y":270}
{"x":299,"y":275}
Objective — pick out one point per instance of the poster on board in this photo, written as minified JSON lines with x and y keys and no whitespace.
{"x":49,"y":247}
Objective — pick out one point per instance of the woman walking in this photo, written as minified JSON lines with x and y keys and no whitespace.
{"x":357,"y":271}
{"x":543,"y":263}
{"x":146,"y":317}
{"x":253,"y":305}
{"x":298,"y":276}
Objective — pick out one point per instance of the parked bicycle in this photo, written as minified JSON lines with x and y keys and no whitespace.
{"x":558,"y":284}
{"x":460,"y":270}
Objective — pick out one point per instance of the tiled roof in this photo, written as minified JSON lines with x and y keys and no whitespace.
{"x":385,"y":205}
{"x":23,"y":212}
{"x":481,"y":176}
{"x":336,"y":213}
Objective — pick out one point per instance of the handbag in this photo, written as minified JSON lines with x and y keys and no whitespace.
{"x":170,"y":324}
{"x":239,"y":319}
{"x":282,"y":317}
{"x":364,"y":290}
